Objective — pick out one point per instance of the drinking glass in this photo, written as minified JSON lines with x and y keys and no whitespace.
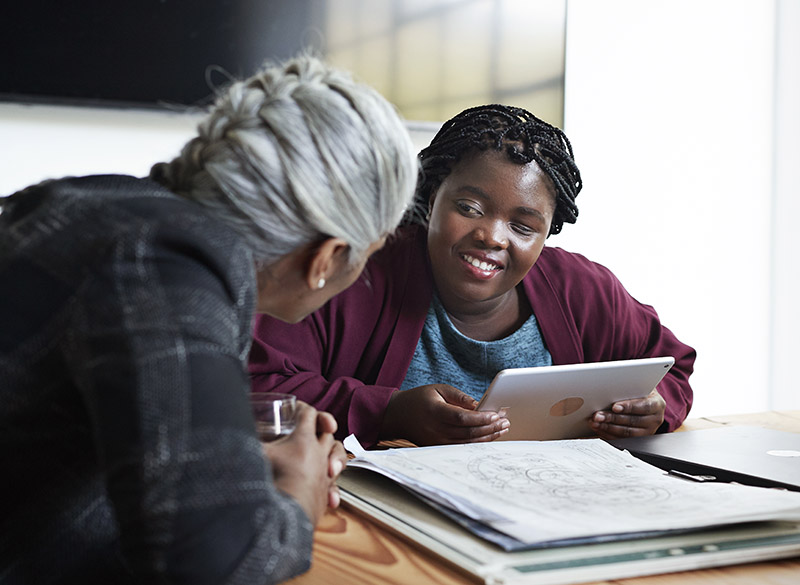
{"x":275,"y":414}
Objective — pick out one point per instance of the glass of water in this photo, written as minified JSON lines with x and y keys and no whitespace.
{"x":275,"y":414}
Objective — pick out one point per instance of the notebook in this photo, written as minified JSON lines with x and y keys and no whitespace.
{"x":743,"y":454}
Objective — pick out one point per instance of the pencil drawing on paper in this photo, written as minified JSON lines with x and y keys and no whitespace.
{"x":554,"y":490}
{"x":591,"y":485}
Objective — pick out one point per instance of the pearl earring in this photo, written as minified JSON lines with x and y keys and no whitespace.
{"x":320,"y":283}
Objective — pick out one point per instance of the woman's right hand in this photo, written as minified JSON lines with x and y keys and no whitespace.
{"x":306,"y":464}
{"x":437,"y":414}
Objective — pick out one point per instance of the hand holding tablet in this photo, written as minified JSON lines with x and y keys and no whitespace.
{"x":555,"y":402}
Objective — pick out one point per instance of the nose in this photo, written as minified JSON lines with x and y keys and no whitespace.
{"x":492,"y":234}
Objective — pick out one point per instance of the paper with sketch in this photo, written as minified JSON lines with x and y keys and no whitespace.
{"x":541,"y":491}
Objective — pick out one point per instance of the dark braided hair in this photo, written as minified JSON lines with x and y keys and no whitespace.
{"x":517,"y":132}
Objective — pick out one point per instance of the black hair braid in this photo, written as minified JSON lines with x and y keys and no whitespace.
{"x":517,"y":132}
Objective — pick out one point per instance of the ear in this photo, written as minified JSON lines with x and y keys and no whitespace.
{"x":432,"y":197}
{"x":325,"y":261}
{"x":429,"y":210}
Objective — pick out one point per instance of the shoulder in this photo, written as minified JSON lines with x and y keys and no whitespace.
{"x":397,"y":269}
{"x":144,"y":205}
{"x":99,"y":199}
{"x":96,"y":220}
{"x":577,"y":285}
{"x":403,"y":256}
{"x":562,"y":267}
{"x":149,"y":214}
{"x":407,"y":243}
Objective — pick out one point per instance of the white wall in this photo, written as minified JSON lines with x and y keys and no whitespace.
{"x":45,"y":141}
{"x":671,"y":108}
{"x":686,"y":149}
{"x":785,"y":306}
{"x":40,"y":142}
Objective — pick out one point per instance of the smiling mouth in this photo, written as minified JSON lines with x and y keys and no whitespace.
{"x":481,"y":265}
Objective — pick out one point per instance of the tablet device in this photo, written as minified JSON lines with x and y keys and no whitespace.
{"x":555,"y":402}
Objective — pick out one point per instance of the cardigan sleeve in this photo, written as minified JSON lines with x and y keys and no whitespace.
{"x":587,"y":315}
{"x":640,"y":333}
{"x":319,"y":364}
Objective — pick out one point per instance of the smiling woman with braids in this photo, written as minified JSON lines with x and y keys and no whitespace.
{"x":454,"y":298}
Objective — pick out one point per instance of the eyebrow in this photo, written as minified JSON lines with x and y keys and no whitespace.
{"x":484,"y":195}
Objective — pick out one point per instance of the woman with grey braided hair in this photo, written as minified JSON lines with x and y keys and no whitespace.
{"x":468,"y":288}
{"x":291,"y":157}
{"x":127,"y":319}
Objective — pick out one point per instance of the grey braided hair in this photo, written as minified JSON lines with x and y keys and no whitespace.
{"x":296,"y":153}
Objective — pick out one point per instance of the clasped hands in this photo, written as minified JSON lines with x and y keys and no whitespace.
{"x":306,"y":464}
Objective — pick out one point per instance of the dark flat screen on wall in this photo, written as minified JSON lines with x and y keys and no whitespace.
{"x":143,"y":53}
{"x":431,"y":58}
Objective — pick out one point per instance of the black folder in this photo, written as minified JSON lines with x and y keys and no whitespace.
{"x":743,"y":454}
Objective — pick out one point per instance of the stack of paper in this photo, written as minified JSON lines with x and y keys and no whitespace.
{"x":550,"y":493}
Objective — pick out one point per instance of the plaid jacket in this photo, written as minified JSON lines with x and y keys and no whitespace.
{"x":127,"y":446}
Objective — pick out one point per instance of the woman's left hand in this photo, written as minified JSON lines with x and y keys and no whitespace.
{"x":630,"y":418}
{"x":306,"y":463}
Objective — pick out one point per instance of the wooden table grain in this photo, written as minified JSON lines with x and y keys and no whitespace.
{"x":350,"y":549}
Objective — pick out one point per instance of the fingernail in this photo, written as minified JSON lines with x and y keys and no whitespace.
{"x":599,"y":417}
{"x":505,"y":424}
{"x":337,"y":467}
{"x":617,"y":408}
{"x":494,"y":417}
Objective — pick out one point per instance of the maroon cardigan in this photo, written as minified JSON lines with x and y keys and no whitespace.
{"x":352,"y":354}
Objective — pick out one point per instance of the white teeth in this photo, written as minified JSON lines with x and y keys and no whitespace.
{"x":478,"y":264}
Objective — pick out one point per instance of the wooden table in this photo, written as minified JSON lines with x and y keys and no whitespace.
{"x":349,"y":549}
